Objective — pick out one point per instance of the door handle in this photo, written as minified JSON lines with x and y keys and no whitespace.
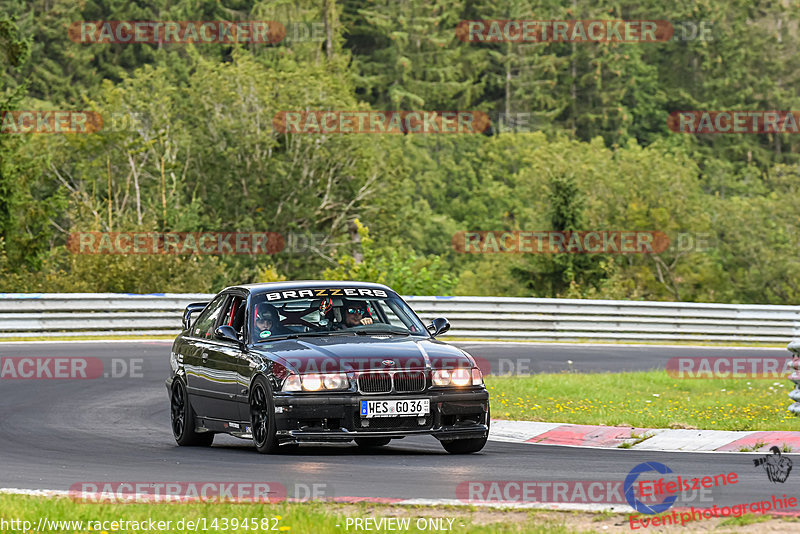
{"x":205,"y":356}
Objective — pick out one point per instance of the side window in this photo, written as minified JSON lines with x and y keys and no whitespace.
{"x":234,"y":314}
{"x":204,"y":327}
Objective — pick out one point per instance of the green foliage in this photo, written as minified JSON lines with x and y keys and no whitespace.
{"x":409,"y":56}
{"x":189,"y":146}
{"x":402,"y":270}
{"x":558,"y":272}
{"x":26,"y":201}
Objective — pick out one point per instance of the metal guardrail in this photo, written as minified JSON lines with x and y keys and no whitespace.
{"x":96,"y":314}
{"x":502,"y":318}
{"x":794,"y":348}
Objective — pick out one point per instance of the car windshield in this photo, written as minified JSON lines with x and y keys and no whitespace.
{"x":330,"y":312}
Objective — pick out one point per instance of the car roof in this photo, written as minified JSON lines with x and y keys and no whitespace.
{"x":257,"y":289}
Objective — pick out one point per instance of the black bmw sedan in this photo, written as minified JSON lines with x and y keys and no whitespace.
{"x":319,"y":361}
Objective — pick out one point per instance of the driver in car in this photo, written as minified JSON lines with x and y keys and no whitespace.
{"x":356,"y":313}
{"x":340,"y":316}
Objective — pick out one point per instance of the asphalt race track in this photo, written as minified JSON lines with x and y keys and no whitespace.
{"x":58,"y":433}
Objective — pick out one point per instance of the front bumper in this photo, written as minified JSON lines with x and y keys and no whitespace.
{"x":336,"y":417}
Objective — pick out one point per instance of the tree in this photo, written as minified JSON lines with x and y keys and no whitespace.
{"x":409,"y":57}
{"x":25,"y":204}
{"x":402,"y":270}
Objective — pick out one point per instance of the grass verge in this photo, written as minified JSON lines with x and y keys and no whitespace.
{"x":650,"y":399}
{"x":329,"y":518}
{"x":298,"y":518}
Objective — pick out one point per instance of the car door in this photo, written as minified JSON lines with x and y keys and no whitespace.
{"x":202,"y":390}
{"x":221,"y":361}
{"x":246,"y":364}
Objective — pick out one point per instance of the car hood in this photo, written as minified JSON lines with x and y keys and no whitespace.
{"x":362,"y":353}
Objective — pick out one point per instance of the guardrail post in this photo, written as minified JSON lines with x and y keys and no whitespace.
{"x":794,"y":348}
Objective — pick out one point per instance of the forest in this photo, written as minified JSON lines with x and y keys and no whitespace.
{"x":579,"y":140}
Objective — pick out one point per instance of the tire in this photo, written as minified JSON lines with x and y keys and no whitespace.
{"x":262,"y":417}
{"x":182,"y":419}
{"x":371,"y":443}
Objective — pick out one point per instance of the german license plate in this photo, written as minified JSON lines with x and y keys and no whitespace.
{"x":395,"y":407}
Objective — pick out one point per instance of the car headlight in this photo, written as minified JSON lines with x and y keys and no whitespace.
{"x":292,"y":383}
{"x":460,"y":377}
{"x":457,"y":377}
{"x":335,"y":381}
{"x":441,"y":377}
{"x":312,"y":382}
{"x":316,"y":382}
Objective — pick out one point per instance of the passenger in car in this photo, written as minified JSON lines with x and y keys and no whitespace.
{"x":268,"y":322}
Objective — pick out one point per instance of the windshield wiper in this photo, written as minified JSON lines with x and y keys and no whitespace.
{"x":382,"y":332}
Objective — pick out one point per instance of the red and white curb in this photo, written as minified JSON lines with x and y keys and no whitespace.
{"x":656,"y":439}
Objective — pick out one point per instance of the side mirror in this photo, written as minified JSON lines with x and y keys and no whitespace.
{"x":227,"y":333}
{"x":440,"y":325}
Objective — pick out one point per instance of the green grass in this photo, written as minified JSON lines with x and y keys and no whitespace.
{"x":755,"y":447}
{"x":745,"y":520}
{"x":637,"y":438}
{"x":649,"y":399}
{"x":294,"y":518}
